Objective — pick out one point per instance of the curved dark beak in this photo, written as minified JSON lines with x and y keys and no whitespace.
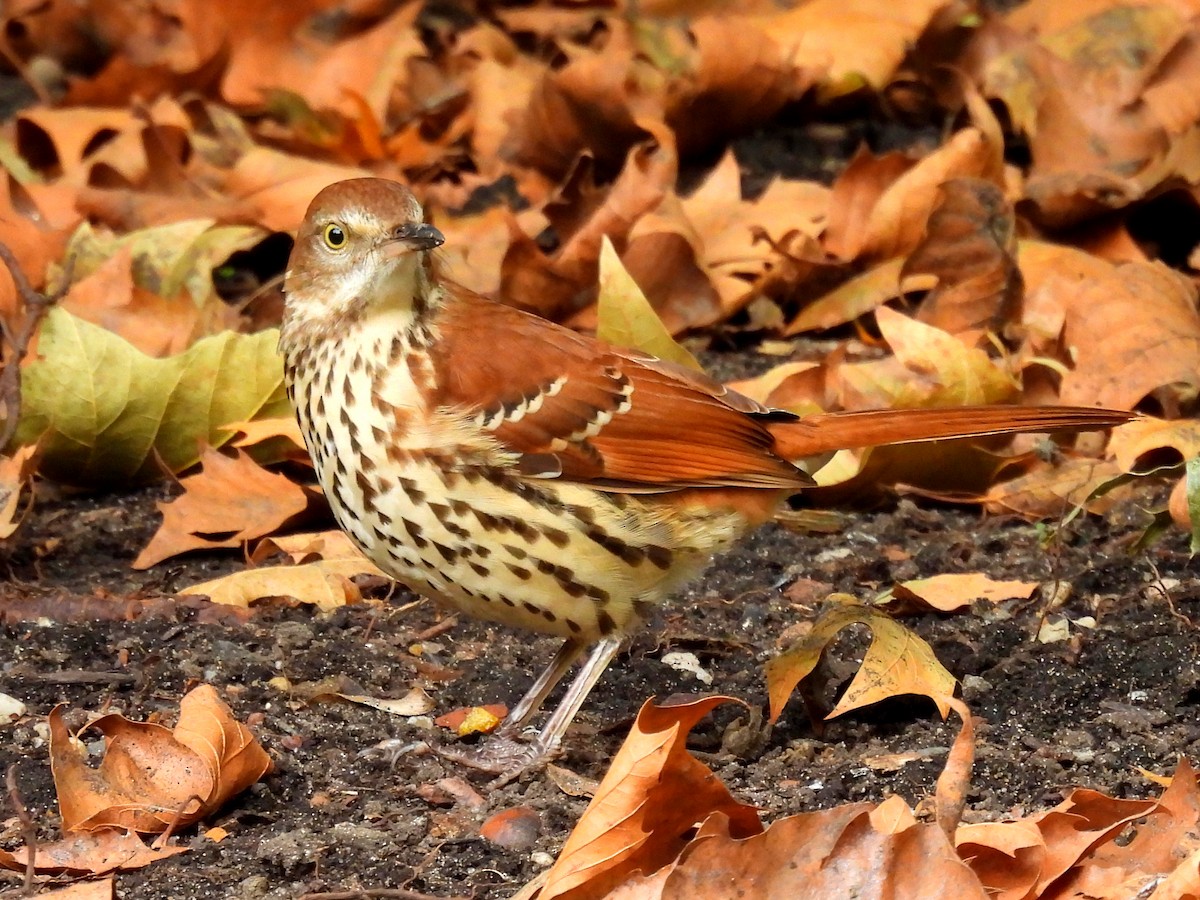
{"x":418,"y":236}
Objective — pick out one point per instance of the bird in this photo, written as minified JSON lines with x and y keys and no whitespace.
{"x":526,"y":473}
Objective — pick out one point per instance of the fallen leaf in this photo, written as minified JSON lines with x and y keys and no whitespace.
{"x":953,"y":591}
{"x":897,"y":662}
{"x":15,"y":472}
{"x":626,"y":319}
{"x":230,"y":501}
{"x":415,"y":703}
{"x":473,"y":719}
{"x":152,"y":778}
{"x":106,"y":414}
{"x":641,"y":814}
{"x":970,"y":246}
{"x":325,"y":584}
{"x":92,"y":853}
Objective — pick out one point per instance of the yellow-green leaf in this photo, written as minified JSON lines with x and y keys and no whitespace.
{"x":626,"y":318}
{"x":109,"y":412}
{"x":897,"y":662}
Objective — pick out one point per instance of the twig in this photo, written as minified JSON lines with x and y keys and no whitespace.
{"x":28,"y":829}
{"x":36,"y":306}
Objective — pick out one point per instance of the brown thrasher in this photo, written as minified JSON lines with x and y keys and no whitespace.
{"x":525,"y":473}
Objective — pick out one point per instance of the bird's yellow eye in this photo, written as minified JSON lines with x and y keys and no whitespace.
{"x":335,"y":236}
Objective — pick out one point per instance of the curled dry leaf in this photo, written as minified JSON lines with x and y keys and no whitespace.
{"x":15,"y":472}
{"x":1054,"y":491}
{"x":230,"y":495}
{"x":640,"y":816}
{"x":890,"y":216}
{"x":1147,"y":443}
{"x":107,"y":414}
{"x":897,"y":662}
{"x":152,"y":777}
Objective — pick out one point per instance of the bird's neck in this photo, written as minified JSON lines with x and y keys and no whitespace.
{"x":399,"y":300}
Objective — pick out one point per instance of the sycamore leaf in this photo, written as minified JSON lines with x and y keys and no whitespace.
{"x":89,"y":853}
{"x":111,"y":415}
{"x":325,"y":583}
{"x":230,"y":500}
{"x":953,"y":590}
{"x":153,"y":777}
{"x":625,"y":316}
{"x":897,"y":662}
{"x":166,"y":259}
{"x":643,"y":811}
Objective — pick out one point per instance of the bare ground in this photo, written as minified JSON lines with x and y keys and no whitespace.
{"x":1085,"y":712}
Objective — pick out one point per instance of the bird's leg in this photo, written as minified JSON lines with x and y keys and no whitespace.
{"x":589,"y":673}
{"x":502,"y":754}
{"x":528,"y":705}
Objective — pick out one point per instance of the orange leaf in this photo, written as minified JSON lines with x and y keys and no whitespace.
{"x":151,"y":777}
{"x":952,"y":591}
{"x":652,"y":796}
{"x":94,"y":853}
{"x":231,"y":495}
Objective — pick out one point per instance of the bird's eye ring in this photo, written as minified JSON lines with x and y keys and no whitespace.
{"x":334,"y":236}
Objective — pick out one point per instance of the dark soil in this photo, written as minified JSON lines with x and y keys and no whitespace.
{"x":1085,"y":712}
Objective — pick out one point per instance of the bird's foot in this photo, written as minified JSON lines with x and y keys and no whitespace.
{"x":503,"y":756}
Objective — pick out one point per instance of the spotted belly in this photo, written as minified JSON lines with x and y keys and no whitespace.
{"x":556,"y":558}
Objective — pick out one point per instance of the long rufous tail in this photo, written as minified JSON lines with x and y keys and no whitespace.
{"x":829,"y":432}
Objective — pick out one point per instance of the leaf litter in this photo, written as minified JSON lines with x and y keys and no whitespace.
{"x":956,"y":272}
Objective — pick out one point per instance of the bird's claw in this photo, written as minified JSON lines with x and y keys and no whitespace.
{"x":502,"y":756}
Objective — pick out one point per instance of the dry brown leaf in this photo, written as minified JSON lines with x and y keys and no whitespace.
{"x":953,"y":591}
{"x":325,"y":584}
{"x":849,"y":851}
{"x":1049,"y":492}
{"x":151,"y":777}
{"x":897,"y":662}
{"x":1102,"y":99}
{"x":849,"y":42}
{"x":282,"y":185}
{"x":1129,"y":334}
{"x":735,"y":79}
{"x":595,"y":103}
{"x":564,"y":283}
{"x":92,"y":853}
{"x":107,"y":297}
{"x":34,"y":240}
{"x":1148,"y":443}
{"x":653,"y":794}
{"x":15,"y":472}
{"x":970,"y":246}
{"x":230,"y":501}
{"x":887,"y":218}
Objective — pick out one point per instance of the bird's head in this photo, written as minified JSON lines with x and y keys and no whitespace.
{"x":363,"y":245}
